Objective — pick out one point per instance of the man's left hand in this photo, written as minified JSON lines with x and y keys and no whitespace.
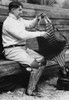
{"x":40,"y":16}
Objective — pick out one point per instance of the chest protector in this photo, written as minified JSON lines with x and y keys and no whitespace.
{"x":54,"y":43}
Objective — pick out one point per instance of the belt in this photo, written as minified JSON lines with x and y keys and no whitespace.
{"x":15,"y":45}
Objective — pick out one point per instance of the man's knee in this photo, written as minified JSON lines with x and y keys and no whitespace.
{"x":43,"y":61}
{"x":35,"y":64}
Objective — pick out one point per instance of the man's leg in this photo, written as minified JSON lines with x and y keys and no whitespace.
{"x":30,"y":58}
{"x":34,"y":78}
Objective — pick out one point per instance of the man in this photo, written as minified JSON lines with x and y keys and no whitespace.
{"x":14,"y":40}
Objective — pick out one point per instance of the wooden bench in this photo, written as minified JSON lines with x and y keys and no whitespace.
{"x":59,"y":17}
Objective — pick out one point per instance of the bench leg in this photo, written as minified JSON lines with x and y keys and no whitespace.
{"x":34,"y":77}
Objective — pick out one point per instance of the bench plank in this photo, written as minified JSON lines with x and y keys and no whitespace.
{"x":9,"y":68}
{"x":50,"y":11}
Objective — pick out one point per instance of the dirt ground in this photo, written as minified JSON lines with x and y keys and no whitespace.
{"x":47,"y":91}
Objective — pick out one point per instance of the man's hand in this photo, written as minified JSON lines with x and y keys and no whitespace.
{"x":40,"y":16}
{"x":45,"y":34}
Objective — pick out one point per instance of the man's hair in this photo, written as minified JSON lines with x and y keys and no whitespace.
{"x":15,"y":5}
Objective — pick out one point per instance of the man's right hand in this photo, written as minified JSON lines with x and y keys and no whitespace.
{"x":45,"y":34}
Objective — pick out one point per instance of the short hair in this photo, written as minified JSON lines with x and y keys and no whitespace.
{"x":14,"y":4}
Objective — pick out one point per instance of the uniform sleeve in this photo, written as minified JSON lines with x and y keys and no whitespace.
{"x":19,"y":33}
{"x":30,"y":23}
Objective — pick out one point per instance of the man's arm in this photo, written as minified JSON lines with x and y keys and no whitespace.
{"x":31,"y":23}
{"x":19,"y":33}
{"x":34,"y":22}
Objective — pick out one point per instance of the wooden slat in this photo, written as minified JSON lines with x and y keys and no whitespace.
{"x":26,"y":12}
{"x":8,"y":67}
{"x":50,"y":11}
{"x":62,"y":27}
{"x":2,"y":18}
{"x":24,"y":1}
{"x":3,"y":10}
{"x":60,"y":21}
{"x":3,"y":62}
{"x":5,"y":2}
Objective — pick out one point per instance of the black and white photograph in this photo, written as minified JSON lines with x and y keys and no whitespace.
{"x":34,"y":49}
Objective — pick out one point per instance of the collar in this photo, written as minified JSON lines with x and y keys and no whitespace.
{"x":13,"y":16}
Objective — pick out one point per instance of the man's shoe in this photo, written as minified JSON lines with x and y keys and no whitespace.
{"x":63,"y":79}
{"x":64,"y":73}
{"x":33,"y":93}
{"x":63,"y":84}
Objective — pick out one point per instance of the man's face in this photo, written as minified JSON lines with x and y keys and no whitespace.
{"x":18,"y":12}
